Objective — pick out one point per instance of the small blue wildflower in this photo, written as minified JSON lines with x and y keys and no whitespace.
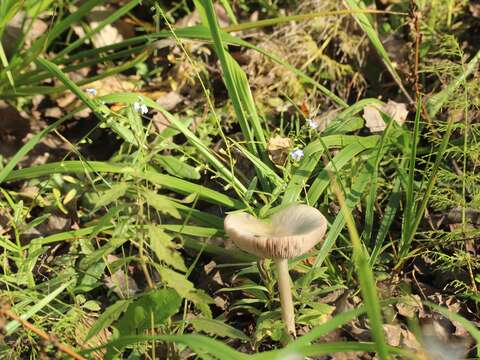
{"x":312,"y":124}
{"x":91,"y":91}
{"x":297,"y":154}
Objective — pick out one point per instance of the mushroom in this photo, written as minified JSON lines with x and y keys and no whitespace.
{"x":288,"y":233}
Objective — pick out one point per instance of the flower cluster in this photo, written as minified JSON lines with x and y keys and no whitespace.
{"x":140,"y":107}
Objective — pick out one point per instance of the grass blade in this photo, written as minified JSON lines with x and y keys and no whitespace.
{"x":364,"y":23}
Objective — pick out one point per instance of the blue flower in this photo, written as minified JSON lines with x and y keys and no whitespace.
{"x":312,"y":124}
{"x":297,"y":154}
{"x":91,"y":91}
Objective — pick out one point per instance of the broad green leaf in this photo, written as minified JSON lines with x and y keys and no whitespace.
{"x":148,"y":311}
{"x":161,"y":203}
{"x":185,"y":289}
{"x":201,"y":300}
{"x":113,"y":194}
{"x":110,"y":314}
{"x":177,"y":167}
{"x":176,"y":281}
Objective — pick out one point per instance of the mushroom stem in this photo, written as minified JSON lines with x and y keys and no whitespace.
{"x":286,"y":302}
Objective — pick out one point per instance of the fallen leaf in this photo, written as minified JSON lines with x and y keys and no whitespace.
{"x":109,"y":34}
{"x":169,"y":100}
{"x":278,"y":149}
{"x":83,"y":327}
{"x":373,"y":117}
{"x":393,"y":334}
{"x":16,"y":28}
{"x":160,"y":121}
{"x":437,"y":343}
{"x":123,"y":285}
{"x":409,"y":306}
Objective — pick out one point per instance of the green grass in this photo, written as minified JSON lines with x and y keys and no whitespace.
{"x":152,"y":213}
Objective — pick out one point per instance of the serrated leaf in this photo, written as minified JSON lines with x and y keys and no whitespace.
{"x":149,"y":310}
{"x":164,"y":248}
{"x":176,"y":281}
{"x":161,"y":203}
{"x":201,"y":300}
{"x":218,"y":328}
{"x":186,"y":290}
{"x":107,"y":318}
{"x":176,"y":167}
{"x":111,"y":195}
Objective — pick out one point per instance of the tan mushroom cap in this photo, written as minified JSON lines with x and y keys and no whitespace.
{"x":290,"y":232}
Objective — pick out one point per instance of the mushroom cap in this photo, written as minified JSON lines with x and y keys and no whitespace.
{"x":290,"y":232}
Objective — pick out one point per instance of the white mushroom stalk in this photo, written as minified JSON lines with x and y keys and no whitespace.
{"x":289,"y":233}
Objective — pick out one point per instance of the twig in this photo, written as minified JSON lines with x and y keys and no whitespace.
{"x":4,"y":311}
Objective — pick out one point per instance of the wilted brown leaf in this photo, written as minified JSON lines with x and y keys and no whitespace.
{"x":278,"y":149}
{"x":109,"y":34}
{"x":123,"y":285}
{"x":13,"y":31}
{"x":101,"y":338}
{"x":373,"y":118}
{"x":169,"y":100}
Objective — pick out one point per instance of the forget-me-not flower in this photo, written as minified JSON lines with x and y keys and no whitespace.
{"x":297,"y":154}
{"x":140,"y":107}
{"x":312,"y":124}
{"x":91,"y":91}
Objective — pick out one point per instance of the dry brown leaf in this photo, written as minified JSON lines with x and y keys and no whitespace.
{"x":160,"y":121}
{"x":410,"y":306}
{"x":53,"y":112}
{"x":109,"y":34}
{"x":393,"y":334}
{"x":474,"y":8}
{"x":373,"y":118}
{"x":278,"y":149}
{"x":123,"y":285}
{"x":169,"y":100}
{"x":13,"y":31}
{"x":101,"y":338}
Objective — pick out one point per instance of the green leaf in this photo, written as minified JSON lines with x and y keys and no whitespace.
{"x":110,"y":314}
{"x":148,"y":311}
{"x":218,"y":328}
{"x":114,"y":193}
{"x":161,"y":203}
{"x":177,"y":167}
{"x":201,"y":300}
{"x":164,"y":248}
{"x":185,"y":289}
{"x":176,"y":281}
{"x":92,"y":278}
